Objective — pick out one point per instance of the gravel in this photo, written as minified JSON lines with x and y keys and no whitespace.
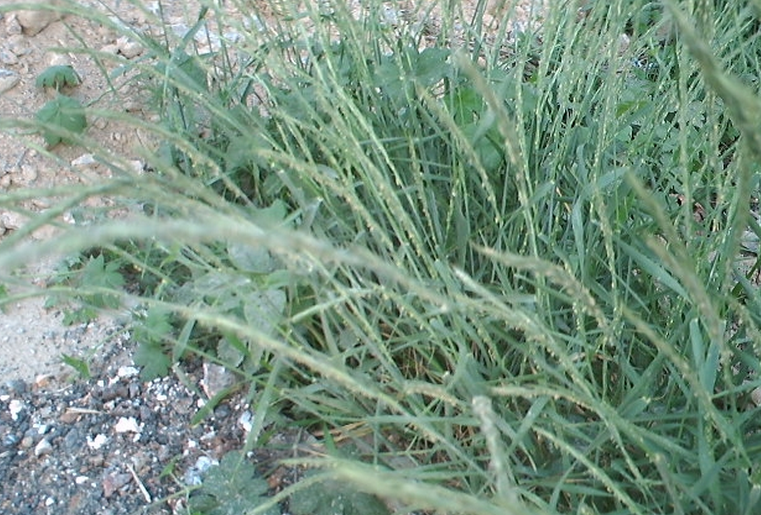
{"x":113,"y":444}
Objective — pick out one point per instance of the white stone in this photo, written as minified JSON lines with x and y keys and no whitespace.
{"x":84,"y":161}
{"x":42,"y":448}
{"x":12,"y":26}
{"x":8,"y":57}
{"x":246,"y":421}
{"x":112,"y":48}
{"x":96,"y":443}
{"x":8,"y":80}
{"x":127,"y":425}
{"x":15,"y":407}
{"x":128,"y":48}
{"x":131,"y":49}
{"x":127,"y":371}
{"x":12,"y":221}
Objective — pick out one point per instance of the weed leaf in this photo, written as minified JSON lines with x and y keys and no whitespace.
{"x":60,"y":115}
{"x":80,"y":365}
{"x":256,"y":260}
{"x":153,"y":359}
{"x":150,"y":335}
{"x":231,"y":488}
{"x":99,"y":274}
{"x":333,"y":498}
{"x":263,"y":309}
{"x":57,"y":77}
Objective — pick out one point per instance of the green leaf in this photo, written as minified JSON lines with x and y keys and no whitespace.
{"x":98,"y":274}
{"x":230,"y":354}
{"x":57,"y":77}
{"x":81,"y":315}
{"x":432,"y":66}
{"x":256,"y":260}
{"x":80,"y":365}
{"x":185,"y":71}
{"x":3,"y":297}
{"x":231,"y":488}
{"x":154,"y":328}
{"x":155,"y":362}
{"x":270,"y":216}
{"x":61,"y":115}
{"x":333,"y":498}
{"x":264,"y":309}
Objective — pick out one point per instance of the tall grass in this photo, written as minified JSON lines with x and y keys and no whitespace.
{"x":511,"y":261}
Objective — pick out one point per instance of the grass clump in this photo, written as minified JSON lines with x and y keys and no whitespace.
{"x":511,"y":261}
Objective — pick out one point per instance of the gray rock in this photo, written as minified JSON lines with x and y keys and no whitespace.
{"x":43,"y":447}
{"x":73,"y":440}
{"x":34,"y":21}
{"x":8,"y":80}
{"x":16,"y":386}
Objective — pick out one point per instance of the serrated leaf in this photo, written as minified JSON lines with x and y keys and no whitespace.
{"x":264,"y":309}
{"x":154,"y":361}
{"x":98,"y":274}
{"x":60,"y":115}
{"x":185,"y":71}
{"x":150,"y":354}
{"x":155,"y":325}
{"x":270,"y":216}
{"x":57,"y":77}
{"x":80,"y":315}
{"x":256,"y":260}
{"x":231,"y":488}
{"x":333,"y":498}
{"x":229,"y":354}
{"x":80,"y":365}
{"x":431,"y":66}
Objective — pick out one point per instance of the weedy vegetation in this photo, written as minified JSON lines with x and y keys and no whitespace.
{"x":63,"y":114}
{"x":518,"y":264}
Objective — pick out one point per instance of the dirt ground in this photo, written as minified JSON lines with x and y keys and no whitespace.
{"x":32,"y":337}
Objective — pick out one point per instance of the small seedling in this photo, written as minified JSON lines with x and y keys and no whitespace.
{"x":232,"y":487}
{"x":62,"y":114}
{"x":79,"y":365}
{"x":58,"y":77}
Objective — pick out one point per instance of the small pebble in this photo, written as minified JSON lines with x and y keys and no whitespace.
{"x":69,"y":417}
{"x":127,"y":425}
{"x":96,"y":443}
{"x":84,"y":161}
{"x":16,"y":386}
{"x":131,"y":50}
{"x":34,"y":22}
{"x":10,"y":440}
{"x":72,"y":440}
{"x":42,"y":448}
{"x":125,"y":371}
{"x":8,"y":80}
{"x":15,"y":407}
{"x":7,"y":57}
{"x":113,"y":482}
